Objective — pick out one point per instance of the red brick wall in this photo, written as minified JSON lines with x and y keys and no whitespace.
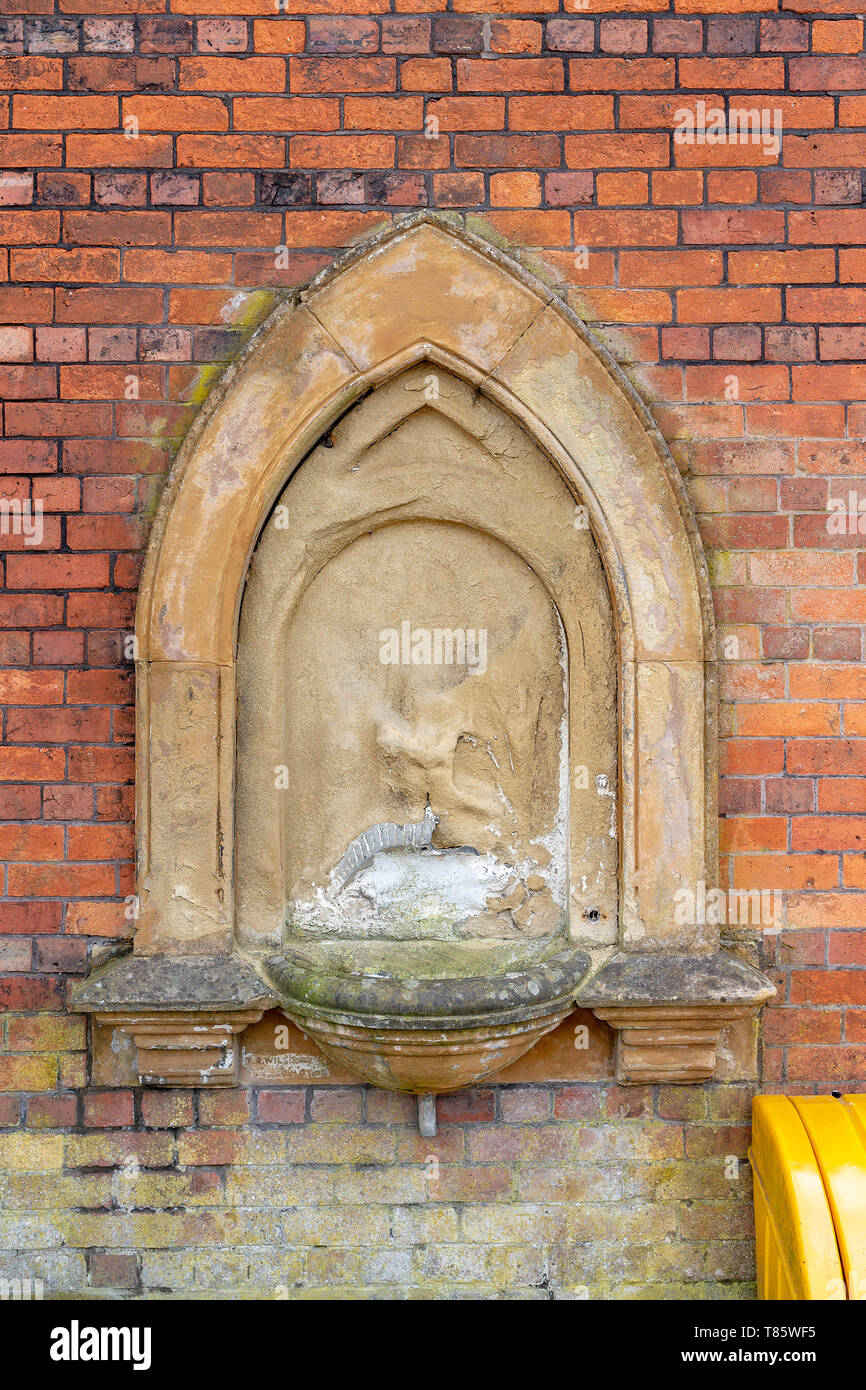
{"x":137,"y":266}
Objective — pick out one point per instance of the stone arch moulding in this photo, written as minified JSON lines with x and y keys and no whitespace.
{"x":424,"y":291}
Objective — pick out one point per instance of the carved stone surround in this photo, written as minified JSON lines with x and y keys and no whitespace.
{"x":422,"y":292}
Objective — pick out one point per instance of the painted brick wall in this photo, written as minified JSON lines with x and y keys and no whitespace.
{"x":155,"y":161}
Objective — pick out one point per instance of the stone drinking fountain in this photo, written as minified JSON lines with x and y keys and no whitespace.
{"x":426,"y":692}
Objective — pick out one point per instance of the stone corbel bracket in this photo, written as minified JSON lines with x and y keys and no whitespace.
{"x":184,"y":1013}
{"x":669,"y":1011}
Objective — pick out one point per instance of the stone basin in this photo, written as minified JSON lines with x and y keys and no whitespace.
{"x":427,"y":1017}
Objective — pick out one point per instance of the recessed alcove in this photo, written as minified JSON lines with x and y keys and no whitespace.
{"x":426,"y":700}
{"x":453,"y":650}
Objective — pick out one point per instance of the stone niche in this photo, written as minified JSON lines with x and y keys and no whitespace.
{"x":426,"y":685}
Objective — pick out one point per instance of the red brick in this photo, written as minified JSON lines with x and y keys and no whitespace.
{"x":66,"y":264}
{"x":393,"y":113}
{"x":281,"y":1107}
{"x":16,"y":344}
{"x":124,"y":305}
{"x":827,"y":227}
{"x":597,"y":227}
{"x":108,"y":1109}
{"x":197,"y":267}
{"x":176,"y":113}
{"x":678,"y":186}
{"x":28,"y":456}
{"x":109,"y":1269}
{"x":735,"y":227}
{"x":60,"y":955}
{"x":785,"y":186}
{"x":509,"y":151}
{"x":117,"y":228}
{"x":728,"y":305}
{"x":847,"y":948}
{"x":620,"y":74}
{"x":784,"y":34}
{"x":740,"y":186}
{"x":793,"y":420}
{"x":460,"y":190}
{"x":515,"y":36}
{"x":567,"y":35}
{"x":336,"y":74}
{"x":101,"y":764}
{"x":814,"y":1027}
{"x":52,"y":1112}
{"x":338,"y":135}
{"x":30,"y":918}
{"x":623,"y":35}
{"x":760,"y":74}
{"x":42,"y":74}
{"x":66,"y":801}
{"x":425,"y":75}
{"x":844,"y":1065}
{"x":228,"y":228}
{"x":610,"y":151}
{"x":340,"y":151}
{"x":97,"y":919}
{"x":739,"y":344}
{"x":231,"y":151}
{"x":100,"y":842}
{"x":167,"y":1109}
{"x":148,"y":151}
{"x":471,"y":1105}
{"x":785,"y":871}
{"x":281,"y":113}
{"x":119,"y":74}
{"x":66,"y":725}
{"x":19,"y":993}
{"x":26,"y":842}
{"x":278,"y":36}
{"x":99,"y":687}
{"x":837,"y":36}
{"x":510,"y":75}
{"x":19,"y":803}
{"x":518,"y":190}
{"x":245,"y":74}
{"x":567,"y":190}
{"x":224,"y":1108}
{"x":814,"y":74}
{"x":669,"y":268}
{"x":221,"y":35}
{"x":64,"y":113}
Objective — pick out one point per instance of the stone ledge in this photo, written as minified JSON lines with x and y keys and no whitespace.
{"x":172,"y":983}
{"x":183,"y":1012}
{"x":656,"y":977}
{"x":670,"y":1011}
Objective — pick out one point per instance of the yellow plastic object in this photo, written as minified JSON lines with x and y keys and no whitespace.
{"x":841,"y":1153}
{"x":797,"y":1254}
{"x":808,"y":1159}
{"x":857,"y":1110}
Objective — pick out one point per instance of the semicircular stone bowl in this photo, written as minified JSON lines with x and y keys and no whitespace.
{"x":455,"y":1013}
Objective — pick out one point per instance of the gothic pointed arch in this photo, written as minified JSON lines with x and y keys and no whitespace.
{"x":425,"y":291}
